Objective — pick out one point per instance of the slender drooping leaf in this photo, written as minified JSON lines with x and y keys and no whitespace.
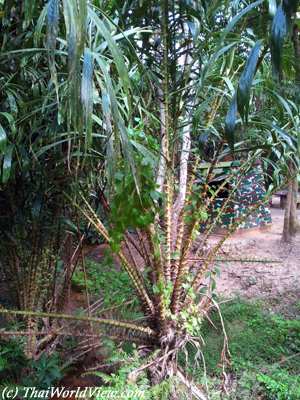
{"x":52,"y":23}
{"x":245,"y":82}
{"x":278,"y":34}
{"x":230,"y":122}
{"x":52,"y":31}
{"x":114,"y":49}
{"x":286,"y":137}
{"x":75,"y":14}
{"x":29,"y":7}
{"x":87,"y":92}
{"x":117,"y":118}
{"x":287,"y":106}
{"x":40,"y":25}
{"x":239,"y":16}
{"x":149,"y":157}
{"x":208,"y":67}
{"x":272,"y":7}
{"x":3,"y":140}
{"x":7,"y":164}
{"x":110,"y":150}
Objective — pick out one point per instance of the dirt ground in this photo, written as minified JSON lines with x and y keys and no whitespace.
{"x":276,"y":284}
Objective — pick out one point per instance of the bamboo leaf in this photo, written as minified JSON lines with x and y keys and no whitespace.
{"x":245,"y":82}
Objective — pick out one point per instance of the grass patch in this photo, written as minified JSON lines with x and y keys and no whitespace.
{"x":113,"y":286}
{"x":264,"y":349}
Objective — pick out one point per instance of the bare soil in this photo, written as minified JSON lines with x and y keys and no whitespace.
{"x":276,"y":284}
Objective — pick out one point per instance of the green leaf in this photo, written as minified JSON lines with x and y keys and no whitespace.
{"x":52,"y":22}
{"x":238,"y":17}
{"x":3,"y":140}
{"x":117,"y":117}
{"x":10,"y":119}
{"x":147,"y":154}
{"x":288,"y":139}
{"x":29,"y":9}
{"x":208,"y":67}
{"x":7,"y":164}
{"x":117,"y":55}
{"x":39,"y":26}
{"x":87,"y":92}
{"x":285,"y":104}
{"x":75,"y":12}
{"x":245,"y":82}
{"x":272,"y":7}
{"x":230,"y":122}
{"x":52,"y":31}
{"x":278,"y":33}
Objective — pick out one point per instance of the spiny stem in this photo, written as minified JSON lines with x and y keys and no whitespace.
{"x":166,"y":94}
{"x":109,"y":322}
{"x":242,"y":260}
{"x":181,"y":223}
{"x":132,"y":271}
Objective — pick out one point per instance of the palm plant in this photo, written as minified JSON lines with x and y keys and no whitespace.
{"x":145,"y":119}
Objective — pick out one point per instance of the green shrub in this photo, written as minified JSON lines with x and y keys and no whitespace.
{"x":11,"y":355}
{"x":280,"y":385}
{"x":16,"y":369}
{"x":44,"y":372}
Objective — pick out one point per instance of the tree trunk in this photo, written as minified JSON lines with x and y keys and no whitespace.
{"x":291,"y":223}
{"x":294,"y":223}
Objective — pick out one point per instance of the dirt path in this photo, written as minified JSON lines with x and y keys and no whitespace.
{"x":276,"y":283}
